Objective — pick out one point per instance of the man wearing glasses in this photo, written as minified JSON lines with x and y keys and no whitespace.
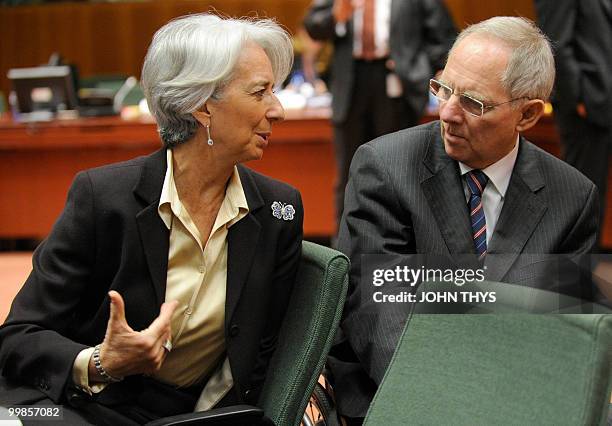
{"x":466,"y":184}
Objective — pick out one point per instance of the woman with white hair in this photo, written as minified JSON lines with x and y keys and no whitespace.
{"x":163,"y":284}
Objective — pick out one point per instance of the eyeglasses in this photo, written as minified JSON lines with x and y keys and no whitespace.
{"x":469,"y":104}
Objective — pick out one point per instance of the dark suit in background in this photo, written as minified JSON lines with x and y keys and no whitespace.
{"x":421,"y":32}
{"x":111,"y":237}
{"x":581,"y":33}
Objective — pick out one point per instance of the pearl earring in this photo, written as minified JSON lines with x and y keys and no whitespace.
{"x":210,"y":141}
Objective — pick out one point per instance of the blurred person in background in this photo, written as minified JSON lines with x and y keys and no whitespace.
{"x":581,"y":33}
{"x":385,"y":52}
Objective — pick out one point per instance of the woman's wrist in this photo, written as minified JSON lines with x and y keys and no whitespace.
{"x":97,"y":372}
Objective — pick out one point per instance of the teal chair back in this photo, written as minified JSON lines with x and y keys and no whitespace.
{"x":502,"y":369}
{"x":307,"y":333}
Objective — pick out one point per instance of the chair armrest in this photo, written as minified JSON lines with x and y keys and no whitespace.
{"x":226,"y":416}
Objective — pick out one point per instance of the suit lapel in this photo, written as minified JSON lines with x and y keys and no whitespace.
{"x":242,"y":238}
{"x":520,"y":215}
{"x":153,"y":232}
{"x":444,"y":192}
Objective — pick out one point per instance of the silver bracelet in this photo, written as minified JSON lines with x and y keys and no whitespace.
{"x":96,"y":359}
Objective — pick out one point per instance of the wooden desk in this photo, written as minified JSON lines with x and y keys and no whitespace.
{"x":38,"y":162}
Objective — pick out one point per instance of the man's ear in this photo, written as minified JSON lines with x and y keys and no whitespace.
{"x":202,"y":115}
{"x":531,"y":112}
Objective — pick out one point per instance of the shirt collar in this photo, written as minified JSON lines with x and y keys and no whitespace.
{"x":500,"y":172}
{"x":233,"y":208}
{"x":169,"y":195}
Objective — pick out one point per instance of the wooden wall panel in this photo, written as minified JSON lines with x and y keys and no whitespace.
{"x":112,"y":38}
{"x":467,"y":12}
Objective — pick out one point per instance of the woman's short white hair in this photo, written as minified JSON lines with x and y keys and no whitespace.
{"x":191,"y":58}
{"x":530,"y":71}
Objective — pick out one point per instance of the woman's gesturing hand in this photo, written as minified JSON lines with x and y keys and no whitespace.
{"x":126,"y":352}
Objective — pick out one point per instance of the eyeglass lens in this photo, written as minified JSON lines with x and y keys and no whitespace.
{"x":444,"y":93}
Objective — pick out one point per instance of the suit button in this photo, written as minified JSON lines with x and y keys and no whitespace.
{"x":234,"y":330}
{"x":247,"y":393}
{"x":42,"y":383}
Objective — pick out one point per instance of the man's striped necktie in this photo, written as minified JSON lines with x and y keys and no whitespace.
{"x":476,"y":182}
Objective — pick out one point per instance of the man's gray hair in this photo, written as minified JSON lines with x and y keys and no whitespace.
{"x":531,"y":68}
{"x":192,"y":58}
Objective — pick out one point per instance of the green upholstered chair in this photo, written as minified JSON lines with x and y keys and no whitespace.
{"x":305,"y":338}
{"x":310,"y":325}
{"x":499,"y":369}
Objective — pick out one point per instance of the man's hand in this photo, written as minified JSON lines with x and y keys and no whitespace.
{"x":126,"y":352}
